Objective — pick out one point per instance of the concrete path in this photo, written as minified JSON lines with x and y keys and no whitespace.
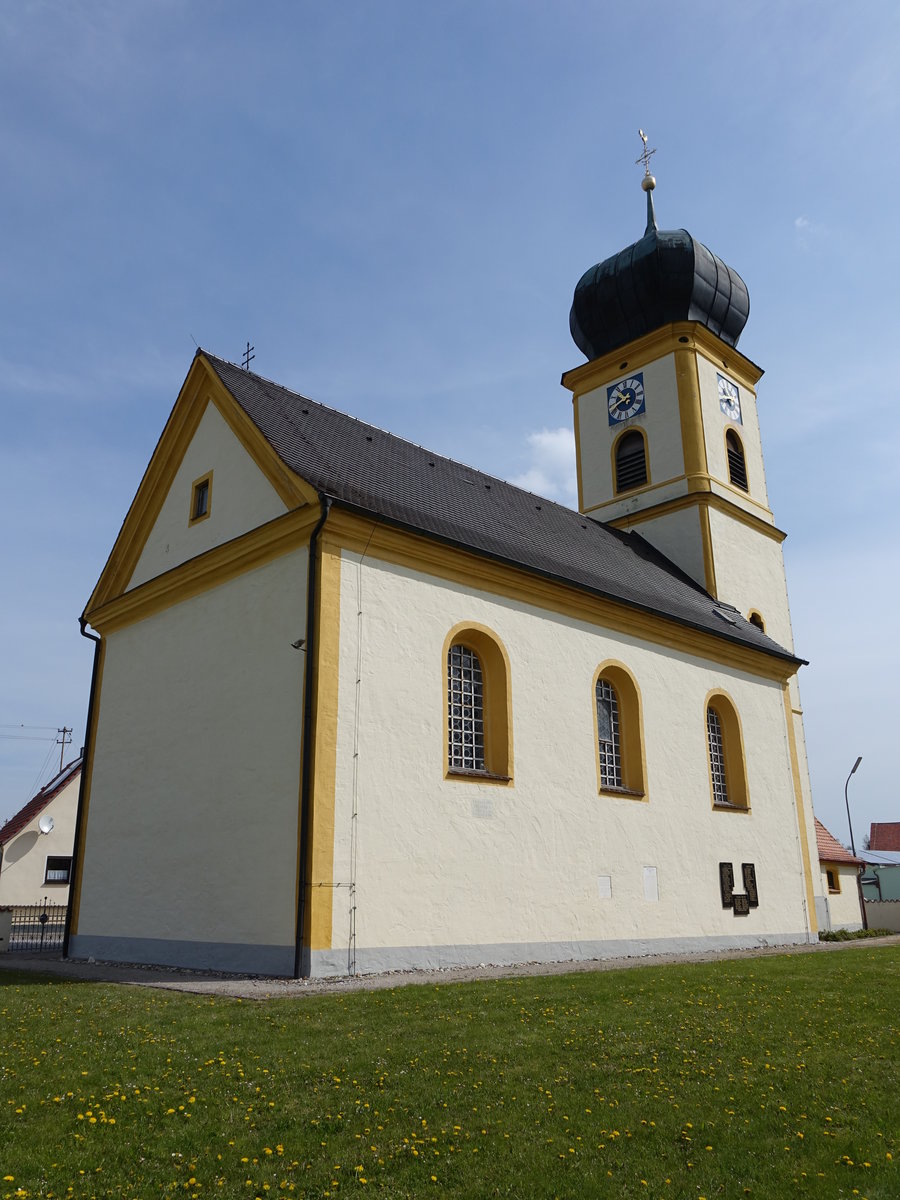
{"x":248,"y":987}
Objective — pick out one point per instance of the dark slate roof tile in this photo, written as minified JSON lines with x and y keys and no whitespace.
{"x":362,"y":466}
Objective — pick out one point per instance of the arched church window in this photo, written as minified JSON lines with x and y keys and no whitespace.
{"x":727,"y":769}
{"x":737,"y":466}
{"x":631,"y":461}
{"x":755,"y":618}
{"x":465,"y":683}
{"x":478,"y":706}
{"x":619,"y":732}
{"x":608,"y":735}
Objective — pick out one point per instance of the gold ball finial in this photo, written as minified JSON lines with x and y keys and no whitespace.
{"x":648,"y":183}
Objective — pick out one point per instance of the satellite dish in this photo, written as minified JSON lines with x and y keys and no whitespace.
{"x":45,"y":824}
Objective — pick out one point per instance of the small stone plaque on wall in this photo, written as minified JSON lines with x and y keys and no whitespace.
{"x":726,"y":883}
{"x":749,"y":872}
{"x":741,"y":904}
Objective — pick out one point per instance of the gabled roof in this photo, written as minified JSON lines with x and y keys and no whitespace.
{"x":831,"y":850}
{"x":884,"y":835}
{"x":370,"y":471}
{"x":38,"y":803}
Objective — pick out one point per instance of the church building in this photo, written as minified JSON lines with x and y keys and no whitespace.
{"x":358,"y":707}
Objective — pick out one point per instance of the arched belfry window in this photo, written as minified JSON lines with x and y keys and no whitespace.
{"x":619,"y":734}
{"x":737,"y":466}
{"x":727,"y":769}
{"x":478,"y":711}
{"x":630,"y":461}
{"x":465,"y":682}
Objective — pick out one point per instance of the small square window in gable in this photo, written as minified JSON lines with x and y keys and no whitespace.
{"x":201,"y":498}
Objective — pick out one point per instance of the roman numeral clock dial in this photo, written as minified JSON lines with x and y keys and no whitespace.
{"x":625,"y":399}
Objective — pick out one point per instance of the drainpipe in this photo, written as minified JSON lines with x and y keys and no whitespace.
{"x":306,"y":739}
{"x":75,"y":881}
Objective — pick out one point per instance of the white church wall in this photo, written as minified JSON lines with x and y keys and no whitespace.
{"x":716,"y":424}
{"x":677,"y":535}
{"x":750,"y":574}
{"x":241,"y":498}
{"x":661,"y":423}
{"x":450,"y":870}
{"x":191,"y":847}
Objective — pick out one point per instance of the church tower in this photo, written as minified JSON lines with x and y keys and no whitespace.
{"x":666,"y":427}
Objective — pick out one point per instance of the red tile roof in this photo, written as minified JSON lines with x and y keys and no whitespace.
{"x":884,"y":835}
{"x":29,"y":811}
{"x":831,"y":850}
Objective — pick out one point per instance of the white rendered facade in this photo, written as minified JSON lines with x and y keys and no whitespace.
{"x":237,"y":831}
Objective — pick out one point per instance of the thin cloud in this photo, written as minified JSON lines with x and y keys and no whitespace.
{"x":551,"y":471}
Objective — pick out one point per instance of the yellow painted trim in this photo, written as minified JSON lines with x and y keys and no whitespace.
{"x":576,"y":416}
{"x":320,"y":864}
{"x":614,"y":475}
{"x":631,"y":731}
{"x":706,"y":500}
{"x":709,"y":558}
{"x":801,"y":812}
{"x":201,"y":386}
{"x":197,"y":575}
{"x":498,"y":717}
{"x":690,"y":414}
{"x":733,"y":751}
{"x":292,"y":489}
{"x":680,"y":335}
{"x":195,"y":487}
{"x":470,"y":570}
{"x":78,"y":866}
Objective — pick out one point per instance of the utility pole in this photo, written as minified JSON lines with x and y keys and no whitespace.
{"x":65,"y":740}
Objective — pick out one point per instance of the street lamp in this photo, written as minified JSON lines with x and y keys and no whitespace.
{"x":847,"y":802}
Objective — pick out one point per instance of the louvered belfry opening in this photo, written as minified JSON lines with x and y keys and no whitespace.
{"x":737,"y":467}
{"x":631,"y":462}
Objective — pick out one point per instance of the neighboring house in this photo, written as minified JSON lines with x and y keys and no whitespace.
{"x":357,"y":706}
{"x":881,"y":888}
{"x":36,"y":843}
{"x":884,"y":835}
{"x":840,"y":882}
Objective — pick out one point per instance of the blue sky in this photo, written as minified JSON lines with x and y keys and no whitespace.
{"x":393,"y":202}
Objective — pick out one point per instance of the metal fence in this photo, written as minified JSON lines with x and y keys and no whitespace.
{"x":37,"y":927}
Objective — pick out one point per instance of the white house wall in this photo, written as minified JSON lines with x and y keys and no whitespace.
{"x":241,"y":498}
{"x":843,"y":907}
{"x":24,"y":866}
{"x":461,"y":871}
{"x":191,"y":846}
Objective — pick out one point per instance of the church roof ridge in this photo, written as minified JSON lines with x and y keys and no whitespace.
{"x":373,"y":471}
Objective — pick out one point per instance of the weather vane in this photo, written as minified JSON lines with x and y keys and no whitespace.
{"x":645,"y":157}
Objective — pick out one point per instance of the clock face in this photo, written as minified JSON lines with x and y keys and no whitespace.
{"x":729,"y":399}
{"x":625,"y":398}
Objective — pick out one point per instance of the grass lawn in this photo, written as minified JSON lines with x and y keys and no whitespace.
{"x":767,"y":1078}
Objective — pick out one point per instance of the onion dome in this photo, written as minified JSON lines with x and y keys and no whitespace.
{"x":666,"y":276}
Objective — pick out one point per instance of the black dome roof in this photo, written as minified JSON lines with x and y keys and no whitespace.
{"x":666,"y":276}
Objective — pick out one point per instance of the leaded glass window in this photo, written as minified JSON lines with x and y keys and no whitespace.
{"x":716,"y":757}
{"x":465,"y":693}
{"x":608,"y":735}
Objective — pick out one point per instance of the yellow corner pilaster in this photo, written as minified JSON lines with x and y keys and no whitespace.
{"x":801,"y":812}
{"x":320,"y":906}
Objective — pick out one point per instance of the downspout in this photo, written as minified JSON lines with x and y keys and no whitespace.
{"x":306,"y":739}
{"x":79,"y":812}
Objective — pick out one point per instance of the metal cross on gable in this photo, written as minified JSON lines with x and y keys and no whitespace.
{"x":248,"y":357}
{"x":646,"y":154}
